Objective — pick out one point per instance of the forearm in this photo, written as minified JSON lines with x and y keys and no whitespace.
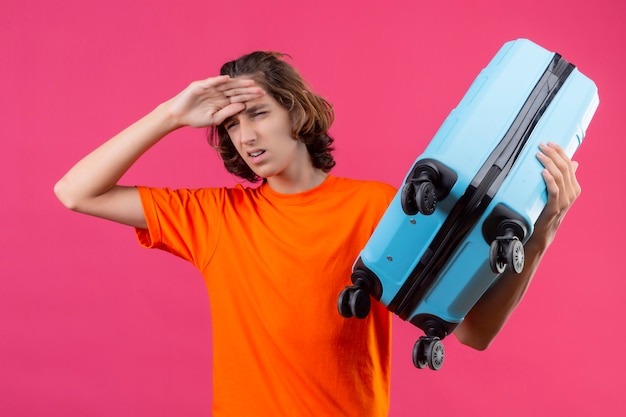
{"x":100,"y":170}
{"x":488,"y":316}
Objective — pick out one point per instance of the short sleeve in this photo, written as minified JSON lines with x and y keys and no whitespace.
{"x":182,"y":222}
{"x":150,"y":237}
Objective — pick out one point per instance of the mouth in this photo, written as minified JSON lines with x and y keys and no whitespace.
{"x":255,"y":154}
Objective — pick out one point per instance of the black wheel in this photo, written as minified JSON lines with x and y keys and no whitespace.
{"x":425,"y":198}
{"x":435,"y":354}
{"x":343,"y":303}
{"x":515,"y":255}
{"x":407,"y":199}
{"x":495,"y":260}
{"x":419,"y":359}
{"x":360,"y":303}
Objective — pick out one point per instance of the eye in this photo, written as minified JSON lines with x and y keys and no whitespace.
{"x":259,"y":113}
{"x":231,"y":124}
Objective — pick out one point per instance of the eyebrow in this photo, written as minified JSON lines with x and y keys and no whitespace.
{"x":255,"y":108}
{"x":248,"y":111}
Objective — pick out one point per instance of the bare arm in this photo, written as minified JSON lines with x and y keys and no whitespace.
{"x":489,"y":315}
{"x":91,"y":187}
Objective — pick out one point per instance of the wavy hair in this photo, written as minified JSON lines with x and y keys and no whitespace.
{"x":310,"y":114}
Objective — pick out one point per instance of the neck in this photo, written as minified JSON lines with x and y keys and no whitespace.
{"x":304,"y":182}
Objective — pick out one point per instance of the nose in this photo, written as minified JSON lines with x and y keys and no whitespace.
{"x":246,"y":131}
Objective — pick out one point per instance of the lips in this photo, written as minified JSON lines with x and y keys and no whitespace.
{"x":256,"y":153}
{"x":255,"y":156}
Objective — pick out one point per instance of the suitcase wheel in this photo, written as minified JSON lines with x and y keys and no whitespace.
{"x":418,"y":198}
{"x":428,"y":351}
{"x":429,"y":181}
{"x":507,"y":249}
{"x":506,"y":252}
{"x":354,"y":302}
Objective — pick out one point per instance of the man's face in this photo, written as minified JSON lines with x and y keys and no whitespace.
{"x":262,"y":135}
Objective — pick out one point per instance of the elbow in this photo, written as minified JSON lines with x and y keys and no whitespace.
{"x":65,"y":196}
{"x":476,"y":343}
{"x":473,"y":338}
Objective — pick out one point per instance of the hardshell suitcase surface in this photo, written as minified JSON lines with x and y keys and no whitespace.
{"x":471,"y":199}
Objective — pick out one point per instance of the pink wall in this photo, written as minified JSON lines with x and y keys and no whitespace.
{"x":92,"y":325}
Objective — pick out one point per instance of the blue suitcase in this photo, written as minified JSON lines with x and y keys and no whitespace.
{"x":470,"y":201}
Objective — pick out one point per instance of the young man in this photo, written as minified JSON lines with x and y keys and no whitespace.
{"x":275,"y":257}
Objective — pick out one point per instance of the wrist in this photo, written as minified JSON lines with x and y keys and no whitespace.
{"x":167,"y":119}
{"x":538,"y":243}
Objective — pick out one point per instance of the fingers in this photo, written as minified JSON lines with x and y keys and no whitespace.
{"x":232,"y":87}
{"x":210,"y":101}
{"x":562,"y":186}
{"x":560,"y":177}
{"x":237,"y":93}
{"x":232,"y":90}
{"x":236,"y":89}
{"x":225,"y":82}
{"x":228,"y":111}
{"x":242,"y":95}
{"x":560,"y":167}
{"x":240,"y":91}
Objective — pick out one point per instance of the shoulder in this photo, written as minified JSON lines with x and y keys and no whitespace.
{"x":187,"y":197}
{"x":374,"y":189}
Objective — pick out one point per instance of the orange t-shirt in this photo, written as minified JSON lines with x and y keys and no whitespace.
{"x":274,"y":265}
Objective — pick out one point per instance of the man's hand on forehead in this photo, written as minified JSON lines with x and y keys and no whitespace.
{"x":210,"y":101}
{"x":241,"y":90}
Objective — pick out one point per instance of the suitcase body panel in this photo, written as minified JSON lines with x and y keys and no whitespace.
{"x":523,"y":191}
{"x":403,"y":243}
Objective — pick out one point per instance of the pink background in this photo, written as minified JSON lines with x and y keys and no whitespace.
{"x":93,"y":325}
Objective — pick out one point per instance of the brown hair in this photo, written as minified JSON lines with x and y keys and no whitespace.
{"x":311,"y":115}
